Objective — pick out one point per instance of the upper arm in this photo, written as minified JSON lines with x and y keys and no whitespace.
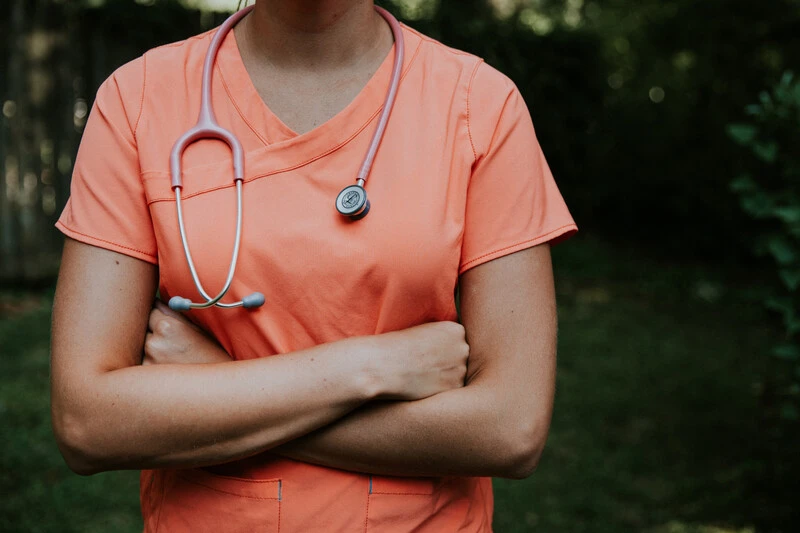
{"x":108,"y":271}
{"x":514,"y":211}
{"x":102,"y":302}
{"x":103,"y":299}
{"x":508,"y":311}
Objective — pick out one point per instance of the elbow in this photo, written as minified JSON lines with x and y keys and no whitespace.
{"x":523,"y":449}
{"x":76,"y":444}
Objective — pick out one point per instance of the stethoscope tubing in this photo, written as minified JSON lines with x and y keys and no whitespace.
{"x":388,"y":104}
{"x":234,"y":259}
{"x":208,"y":128}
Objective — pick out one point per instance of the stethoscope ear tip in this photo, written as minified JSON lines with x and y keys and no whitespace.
{"x":176,"y":303}
{"x":253,"y":300}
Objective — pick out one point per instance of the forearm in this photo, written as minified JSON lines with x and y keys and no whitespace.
{"x":463,"y":432}
{"x":190,"y":415}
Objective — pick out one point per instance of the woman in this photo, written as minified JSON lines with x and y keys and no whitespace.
{"x":348,"y":404}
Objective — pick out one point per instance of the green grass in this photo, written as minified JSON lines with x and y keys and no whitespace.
{"x":656,"y":425}
{"x":39,"y":493}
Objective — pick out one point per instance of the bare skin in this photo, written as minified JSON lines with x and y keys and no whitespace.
{"x":110,"y":412}
{"x":308,"y":59}
{"x":189,"y":405}
{"x":496,"y":425}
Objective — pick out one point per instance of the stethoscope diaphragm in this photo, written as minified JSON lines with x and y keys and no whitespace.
{"x":352,"y":202}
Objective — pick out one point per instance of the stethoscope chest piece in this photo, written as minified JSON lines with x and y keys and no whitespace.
{"x":352,"y":202}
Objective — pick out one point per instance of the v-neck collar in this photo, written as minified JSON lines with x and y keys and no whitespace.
{"x":327,"y":136}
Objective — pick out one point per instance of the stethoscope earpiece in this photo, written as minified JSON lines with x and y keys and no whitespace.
{"x":254,"y":300}
{"x":177,"y":303}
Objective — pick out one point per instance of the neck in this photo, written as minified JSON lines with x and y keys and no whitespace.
{"x":314,"y":34}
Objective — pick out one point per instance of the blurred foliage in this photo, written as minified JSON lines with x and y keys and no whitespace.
{"x":769,"y":192}
{"x":631,"y":99}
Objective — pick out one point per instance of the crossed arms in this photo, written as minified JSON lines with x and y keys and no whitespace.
{"x":404,"y":403}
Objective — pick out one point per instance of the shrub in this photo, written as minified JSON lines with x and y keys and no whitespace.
{"x":769,"y":193}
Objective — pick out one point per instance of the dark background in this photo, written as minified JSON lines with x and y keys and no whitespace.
{"x":672,"y":415}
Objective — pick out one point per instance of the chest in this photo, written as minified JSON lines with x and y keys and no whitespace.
{"x":324,"y":276}
{"x":303,"y":101}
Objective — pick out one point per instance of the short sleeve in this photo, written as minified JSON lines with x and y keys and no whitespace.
{"x":513,"y":202}
{"x":107,"y":205}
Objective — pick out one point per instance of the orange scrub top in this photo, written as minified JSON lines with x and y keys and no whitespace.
{"x":459,"y":180}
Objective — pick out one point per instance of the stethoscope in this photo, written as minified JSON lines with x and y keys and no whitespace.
{"x":352,"y":202}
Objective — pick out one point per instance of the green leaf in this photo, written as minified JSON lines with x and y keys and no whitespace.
{"x":778,"y":304}
{"x":790,"y":277}
{"x":789,"y":412}
{"x":743,"y":184}
{"x":742,"y":133}
{"x":781,"y":305}
{"x":784,"y":252}
{"x":788,"y":215}
{"x":766,"y":151}
{"x":758,"y":205}
{"x":787,"y":352}
{"x":753,"y":110}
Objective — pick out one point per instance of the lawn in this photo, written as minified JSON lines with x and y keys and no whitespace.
{"x":656,"y":426}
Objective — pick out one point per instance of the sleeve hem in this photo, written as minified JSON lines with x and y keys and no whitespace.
{"x":554,"y":236}
{"x":108,"y":245}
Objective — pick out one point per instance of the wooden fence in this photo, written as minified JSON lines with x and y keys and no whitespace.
{"x":54,"y":56}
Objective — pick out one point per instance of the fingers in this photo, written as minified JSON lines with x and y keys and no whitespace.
{"x":156,"y":316}
{"x":146,"y":357}
{"x":164,"y":308}
{"x":165,"y":311}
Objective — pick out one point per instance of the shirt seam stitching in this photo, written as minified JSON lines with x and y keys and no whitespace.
{"x":440,"y":44}
{"x":526,"y":241}
{"x":403,"y":493}
{"x":148,"y":254}
{"x":360,"y":129}
{"x":493,"y":138}
{"x":260,"y":498}
{"x":238,"y":109}
{"x":141,"y":101}
{"x":469,"y":95}
{"x":291,"y":167}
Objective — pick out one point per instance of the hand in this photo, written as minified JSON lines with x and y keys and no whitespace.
{"x":434,"y":361}
{"x":172,"y":339}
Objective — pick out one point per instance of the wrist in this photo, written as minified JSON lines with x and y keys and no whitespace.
{"x":371,"y":378}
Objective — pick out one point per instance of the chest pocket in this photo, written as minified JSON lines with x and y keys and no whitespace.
{"x":196,"y":501}
{"x":399,"y":504}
